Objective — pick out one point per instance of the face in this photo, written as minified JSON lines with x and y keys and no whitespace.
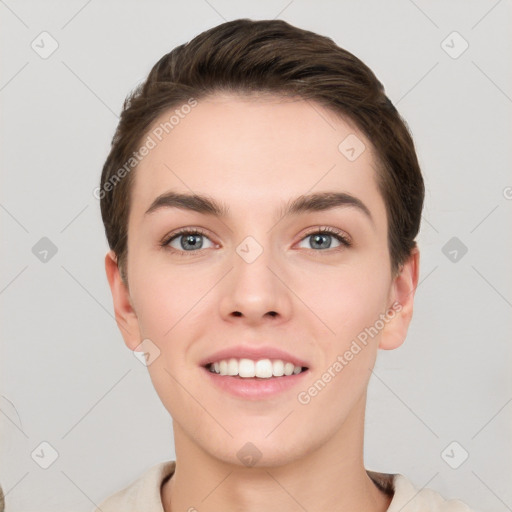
{"x":261,"y":275}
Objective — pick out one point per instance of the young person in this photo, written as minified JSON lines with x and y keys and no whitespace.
{"x":261,"y":201}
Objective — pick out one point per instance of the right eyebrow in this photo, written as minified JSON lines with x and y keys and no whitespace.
{"x":194,"y":202}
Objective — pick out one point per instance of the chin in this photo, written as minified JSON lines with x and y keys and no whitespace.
{"x":258,"y":452}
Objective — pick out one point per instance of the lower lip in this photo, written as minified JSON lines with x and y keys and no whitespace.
{"x":255,"y":388}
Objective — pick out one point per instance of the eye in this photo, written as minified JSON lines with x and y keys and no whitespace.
{"x":322,"y":238}
{"x":191,"y":240}
{"x":186,"y":240}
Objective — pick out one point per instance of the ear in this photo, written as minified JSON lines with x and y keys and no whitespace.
{"x":126,"y":317}
{"x":401,"y":303}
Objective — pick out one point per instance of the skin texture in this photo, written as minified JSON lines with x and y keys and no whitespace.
{"x":254,"y":154}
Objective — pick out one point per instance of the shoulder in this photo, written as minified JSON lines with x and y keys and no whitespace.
{"x":143,"y":493}
{"x":408,"y":498}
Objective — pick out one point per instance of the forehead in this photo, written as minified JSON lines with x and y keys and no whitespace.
{"x":255,"y":151}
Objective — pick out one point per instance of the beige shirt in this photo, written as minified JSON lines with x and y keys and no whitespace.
{"x":143,"y":495}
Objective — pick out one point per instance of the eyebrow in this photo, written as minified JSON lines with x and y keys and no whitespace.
{"x":206,"y":205}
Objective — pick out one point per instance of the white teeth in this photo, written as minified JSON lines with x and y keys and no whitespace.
{"x":263,"y":368}
{"x":278,"y":368}
{"x":247,"y":368}
{"x":232,"y":367}
{"x":288,"y":368}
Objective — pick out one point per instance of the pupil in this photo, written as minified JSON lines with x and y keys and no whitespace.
{"x":192,"y":241}
{"x":318,"y":238}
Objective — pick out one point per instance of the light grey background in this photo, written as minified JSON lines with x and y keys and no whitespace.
{"x":67,"y":378}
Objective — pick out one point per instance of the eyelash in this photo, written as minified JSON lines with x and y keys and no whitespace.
{"x":338,"y":235}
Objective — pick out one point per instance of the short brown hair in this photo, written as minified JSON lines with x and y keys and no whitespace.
{"x":246,"y":56}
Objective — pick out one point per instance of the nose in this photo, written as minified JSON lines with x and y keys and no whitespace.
{"x":255,"y":291}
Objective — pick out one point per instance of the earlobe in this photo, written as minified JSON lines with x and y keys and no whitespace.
{"x":401,"y":303}
{"x":125,"y":315}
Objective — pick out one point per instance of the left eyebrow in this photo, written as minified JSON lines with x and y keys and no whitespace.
{"x":323,"y":201}
{"x":205,"y":205}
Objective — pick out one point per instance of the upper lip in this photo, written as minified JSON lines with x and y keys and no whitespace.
{"x":254,"y":353}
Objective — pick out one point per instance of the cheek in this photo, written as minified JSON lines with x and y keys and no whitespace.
{"x":348,"y":303}
{"x":344,"y":301}
{"x":171,"y":313}
{"x":165,"y":297}
{"x":352,"y":304}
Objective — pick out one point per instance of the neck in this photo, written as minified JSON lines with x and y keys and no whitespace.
{"x":330,"y":477}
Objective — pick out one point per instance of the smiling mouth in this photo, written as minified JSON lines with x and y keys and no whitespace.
{"x":254,"y":369}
